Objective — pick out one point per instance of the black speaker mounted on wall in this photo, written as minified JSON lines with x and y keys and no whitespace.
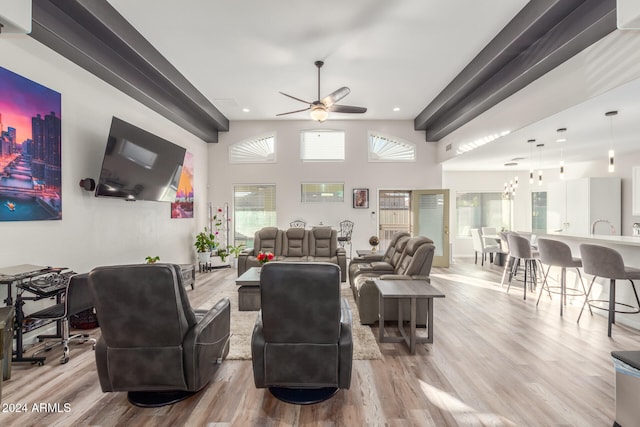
{"x":88,"y":184}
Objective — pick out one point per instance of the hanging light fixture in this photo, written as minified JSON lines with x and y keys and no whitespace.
{"x":561,"y":139}
{"x":540,"y":170}
{"x":530,"y":142}
{"x":611,"y":114}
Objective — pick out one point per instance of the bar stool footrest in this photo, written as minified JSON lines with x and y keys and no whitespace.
{"x":593,"y":304}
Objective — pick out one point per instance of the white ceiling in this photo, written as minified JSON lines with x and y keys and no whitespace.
{"x":240,"y":54}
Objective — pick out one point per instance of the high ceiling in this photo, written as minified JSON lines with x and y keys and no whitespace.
{"x":395,"y":56}
{"x":240,"y":54}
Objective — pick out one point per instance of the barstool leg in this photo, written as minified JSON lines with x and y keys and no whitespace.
{"x":586,"y":300}
{"x":563,"y":289}
{"x":612,"y":304}
{"x":583,"y":289}
{"x":544,"y":285}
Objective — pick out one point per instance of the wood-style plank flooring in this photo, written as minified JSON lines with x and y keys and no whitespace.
{"x":497,"y":360}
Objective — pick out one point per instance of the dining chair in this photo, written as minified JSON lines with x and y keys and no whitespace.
{"x":480,"y":246}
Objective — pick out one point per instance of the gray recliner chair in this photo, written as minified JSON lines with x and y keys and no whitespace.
{"x":153,"y":345}
{"x":302,"y":346}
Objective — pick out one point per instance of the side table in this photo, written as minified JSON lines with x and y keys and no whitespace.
{"x":188,"y":275}
{"x":407,"y":289}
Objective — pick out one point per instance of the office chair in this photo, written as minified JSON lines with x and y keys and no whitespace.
{"x":77,"y":298}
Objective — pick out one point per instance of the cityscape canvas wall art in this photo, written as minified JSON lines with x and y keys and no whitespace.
{"x":30,"y":150}
{"x":183,"y":206}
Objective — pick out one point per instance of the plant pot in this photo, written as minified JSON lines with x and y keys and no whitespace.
{"x":216,"y":261}
{"x":203,"y":257}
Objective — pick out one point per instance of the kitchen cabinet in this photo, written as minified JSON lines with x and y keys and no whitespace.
{"x":573,"y":205}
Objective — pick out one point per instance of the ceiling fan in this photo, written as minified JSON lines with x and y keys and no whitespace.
{"x":319,"y":109}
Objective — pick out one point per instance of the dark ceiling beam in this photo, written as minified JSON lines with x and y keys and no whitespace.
{"x":95,"y":36}
{"x":543,"y":35}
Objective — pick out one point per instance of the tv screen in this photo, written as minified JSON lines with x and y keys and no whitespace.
{"x":139,"y":165}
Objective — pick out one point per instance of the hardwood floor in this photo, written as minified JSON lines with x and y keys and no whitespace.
{"x":496,"y":360}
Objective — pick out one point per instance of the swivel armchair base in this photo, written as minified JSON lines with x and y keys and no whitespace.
{"x":303,"y":396}
{"x":156,"y":399}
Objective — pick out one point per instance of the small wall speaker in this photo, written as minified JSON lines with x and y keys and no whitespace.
{"x":88,"y":184}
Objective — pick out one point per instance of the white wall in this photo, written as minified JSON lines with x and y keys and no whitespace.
{"x":96,"y":231}
{"x":356,"y":172}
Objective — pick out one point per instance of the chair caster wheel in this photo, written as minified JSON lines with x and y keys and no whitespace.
{"x":64,"y":360}
{"x":41,"y":363}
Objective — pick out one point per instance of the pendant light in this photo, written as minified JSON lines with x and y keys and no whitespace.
{"x":611,"y":114}
{"x":561,"y":139}
{"x":530,"y":142}
{"x":540,"y":170}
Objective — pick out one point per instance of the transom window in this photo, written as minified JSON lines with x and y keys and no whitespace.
{"x":385,"y":148}
{"x":322,"y":146}
{"x":322,"y":193}
{"x":255,"y":150}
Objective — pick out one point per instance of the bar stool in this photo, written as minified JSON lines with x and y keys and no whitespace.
{"x":520,"y":250}
{"x":508,"y":263}
{"x":558,"y":254}
{"x":601,"y":261}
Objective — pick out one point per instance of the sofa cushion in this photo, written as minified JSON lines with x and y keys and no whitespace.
{"x":295,"y":243}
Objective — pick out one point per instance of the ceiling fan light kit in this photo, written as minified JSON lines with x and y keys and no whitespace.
{"x":319,"y":113}
{"x":319,"y":110}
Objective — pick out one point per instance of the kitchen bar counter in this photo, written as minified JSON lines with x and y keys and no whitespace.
{"x":629,"y":248}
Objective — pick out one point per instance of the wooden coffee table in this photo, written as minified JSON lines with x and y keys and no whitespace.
{"x":249,"y":290}
{"x":412,"y":290}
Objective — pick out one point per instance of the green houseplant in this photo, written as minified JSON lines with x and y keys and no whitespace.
{"x":205,"y":244}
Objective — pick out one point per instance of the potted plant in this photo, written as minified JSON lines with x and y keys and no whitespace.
{"x":152,"y":259}
{"x":234,"y":253}
{"x":205,"y":241}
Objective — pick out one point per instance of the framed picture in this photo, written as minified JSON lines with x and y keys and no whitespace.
{"x":361,"y":198}
{"x":30,"y":150}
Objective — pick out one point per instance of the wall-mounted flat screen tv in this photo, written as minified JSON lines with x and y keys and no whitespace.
{"x":139,"y":165}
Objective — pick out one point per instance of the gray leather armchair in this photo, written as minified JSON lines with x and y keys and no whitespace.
{"x":301,"y":346}
{"x":153,"y":345}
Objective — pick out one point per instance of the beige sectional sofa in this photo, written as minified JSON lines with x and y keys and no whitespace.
{"x":319,"y":244}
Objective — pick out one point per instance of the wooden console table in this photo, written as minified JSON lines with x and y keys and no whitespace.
{"x":402,"y":290}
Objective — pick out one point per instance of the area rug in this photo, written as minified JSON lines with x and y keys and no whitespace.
{"x":365,"y":346}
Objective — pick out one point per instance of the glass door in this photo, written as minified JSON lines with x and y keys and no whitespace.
{"x":431,"y":219}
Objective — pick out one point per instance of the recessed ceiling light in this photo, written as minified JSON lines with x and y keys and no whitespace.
{"x":245,"y":110}
{"x":396,"y":108}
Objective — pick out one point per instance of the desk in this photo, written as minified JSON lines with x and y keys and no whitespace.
{"x":249,"y":290}
{"x":412,"y":290}
{"x":25,"y":277}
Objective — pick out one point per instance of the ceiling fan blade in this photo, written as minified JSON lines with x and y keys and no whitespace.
{"x":292,"y":112}
{"x":347,"y":109}
{"x":335,"y":96}
{"x":297,"y":99}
